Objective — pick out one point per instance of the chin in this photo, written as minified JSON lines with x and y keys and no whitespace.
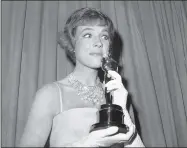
{"x":94,"y":65}
{"x":91,"y":63}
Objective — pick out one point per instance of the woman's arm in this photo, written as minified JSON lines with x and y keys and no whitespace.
{"x":40,"y":118}
{"x":136,"y":140}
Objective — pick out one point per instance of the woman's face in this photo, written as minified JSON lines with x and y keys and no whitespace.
{"x":92,"y":42}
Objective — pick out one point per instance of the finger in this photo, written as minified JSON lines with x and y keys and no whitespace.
{"x":112,"y":88}
{"x":114,"y":75}
{"x":105,"y":132}
{"x":121,"y":136}
{"x":112,"y":83}
{"x":108,"y":75}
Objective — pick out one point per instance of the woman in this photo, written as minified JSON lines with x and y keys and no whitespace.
{"x":66,"y":109}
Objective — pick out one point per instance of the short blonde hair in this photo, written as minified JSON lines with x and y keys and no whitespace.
{"x":83,"y":16}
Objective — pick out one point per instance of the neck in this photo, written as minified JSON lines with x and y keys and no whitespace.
{"x":86,"y":75}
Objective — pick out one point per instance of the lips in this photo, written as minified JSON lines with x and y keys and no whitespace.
{"x":96,"y":54}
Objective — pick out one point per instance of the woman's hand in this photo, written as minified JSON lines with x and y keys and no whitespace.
{"x":118,"y":91}
{"x":105,"y":137}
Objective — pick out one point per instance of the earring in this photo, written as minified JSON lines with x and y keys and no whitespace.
{"x":109,"y":53}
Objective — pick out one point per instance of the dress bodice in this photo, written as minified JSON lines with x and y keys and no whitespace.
{"x":74,"y":120}
{"x":72,"y":125}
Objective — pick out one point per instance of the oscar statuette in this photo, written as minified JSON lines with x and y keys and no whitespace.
{"x":109,"y":114}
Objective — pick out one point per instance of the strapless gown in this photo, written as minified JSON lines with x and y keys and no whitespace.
{"x":72,"y":125}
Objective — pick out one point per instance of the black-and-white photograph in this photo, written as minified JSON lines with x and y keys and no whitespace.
{"x":94,"y":74}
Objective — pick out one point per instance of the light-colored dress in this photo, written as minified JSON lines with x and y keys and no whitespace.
{"x":72,"y":123}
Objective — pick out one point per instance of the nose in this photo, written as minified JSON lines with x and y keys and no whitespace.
{"x":98,"y":43}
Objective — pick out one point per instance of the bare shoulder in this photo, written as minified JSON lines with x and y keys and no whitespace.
{"x":47,"y":88}
{"x":43,"y":110}
{"x":47,"y":98}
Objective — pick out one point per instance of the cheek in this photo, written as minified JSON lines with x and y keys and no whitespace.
{"x":83,"y":46}
{"x":81,"y":50}
{"x":87,"y":46}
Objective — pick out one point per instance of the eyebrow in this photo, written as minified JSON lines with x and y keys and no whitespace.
{"x":105,"y":30}
{"x":86,"y":29}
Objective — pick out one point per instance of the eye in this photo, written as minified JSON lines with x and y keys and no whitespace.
{"x":87,"y":35}
{"x":105,"y":37}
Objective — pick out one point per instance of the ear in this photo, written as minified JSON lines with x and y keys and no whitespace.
{"x":73,"y":36}
{"x":73,"y":42}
